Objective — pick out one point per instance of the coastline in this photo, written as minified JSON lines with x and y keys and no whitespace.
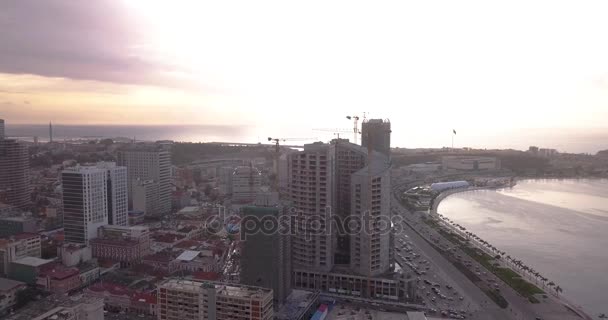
{"x":433,"y":211}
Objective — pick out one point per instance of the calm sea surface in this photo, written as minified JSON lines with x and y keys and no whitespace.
{"x":577,"y":141}
{"x":558,"y":227}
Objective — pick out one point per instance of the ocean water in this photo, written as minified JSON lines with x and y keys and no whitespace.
{"x":572,"y":140}
{"x":558,"y":227}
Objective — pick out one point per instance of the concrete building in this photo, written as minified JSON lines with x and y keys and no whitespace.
{"x":149,"y":162}
{"x":376,"y":135}
{"x":246,"y":182}
{"x":15,"y":173}
{"x":144,"y":196}
{"x":469,"y":163}
{"x":311,"y":181}
{"x":59,"y":279}
{"x":126,"y":245}
{"x":17,"y":247}
{"x":201,"y":300}
{"x":547,"y":153}
{"x":12,"y":225}
{"x":370,"y":248}
{"x":85,"y":202}
{"x":59,"y":307}
{"x":266,"y":256}
{"x":331,"y":182}
{"x":72,"y":254}
{"x":28,"y":269}
{"x":2,"y":134}
{"x":391,"y":288}
{"x":118,"y":203}
{"x":8,"y":291}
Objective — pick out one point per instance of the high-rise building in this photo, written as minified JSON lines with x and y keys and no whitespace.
{"x":202,"y":300}
{"x":370,"y":249}
{"x":332,"y":186}
{"x":118,"y":204}
{"x":266,"y":256}
{"x":144,"y":196}
{"x":149,"y":162}
{"x":81,"y":198}
{"x":15,"y":173}
{"x":2,"y":134}
{"x":376,"y":135}
{"x":246,"y":181}
{"x":311,"y":180}
{"x":85,"y":202}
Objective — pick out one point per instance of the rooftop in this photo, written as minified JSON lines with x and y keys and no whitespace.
{"x":188,"y":255}
{"x":113,"y":242}
{"x":59,"y":272}
{"x":8,"y":284}
{"x":33,"y":261}
{"x":233,"y":290}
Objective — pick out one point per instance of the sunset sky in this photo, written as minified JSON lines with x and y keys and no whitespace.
{"x":426,"y":65}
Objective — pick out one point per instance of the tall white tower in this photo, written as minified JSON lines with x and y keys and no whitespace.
{"x":85,"y":202}
{"x":117,"y":196}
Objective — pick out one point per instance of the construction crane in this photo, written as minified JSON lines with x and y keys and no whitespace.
{"x":335,"y":131}
{"x":275,"y":164}
{"x":355,"y":131}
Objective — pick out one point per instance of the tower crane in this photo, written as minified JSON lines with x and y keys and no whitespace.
{"x":277,"y":149}
{"x":335,"y":131}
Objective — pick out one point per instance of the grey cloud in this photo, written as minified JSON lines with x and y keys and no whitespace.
{"x":77,"y":39}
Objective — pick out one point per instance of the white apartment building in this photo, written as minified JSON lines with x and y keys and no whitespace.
{"x":85,"y":202}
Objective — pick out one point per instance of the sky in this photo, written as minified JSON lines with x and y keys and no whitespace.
{"x":430,"y":66}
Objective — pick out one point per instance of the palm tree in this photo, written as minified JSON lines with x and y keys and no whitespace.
{"x":558,"y":290}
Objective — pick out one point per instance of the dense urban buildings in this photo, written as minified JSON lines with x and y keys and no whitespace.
{"x":16,"y":223}
{"x":266,"y":256}
{"x":202,"y":300}
{"x":85,"y":204}
{"x":18,"y":247}
{"x":149,"y":162}
{"x":15,"y":185}
{"x":8,"y":291}
{"x":376,"y":135}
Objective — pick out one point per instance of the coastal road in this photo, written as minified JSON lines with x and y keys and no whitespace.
{"x":486,"y":308}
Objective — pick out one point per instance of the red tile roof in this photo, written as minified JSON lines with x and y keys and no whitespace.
{"x":59,"y":272}
{"x":139,"y":297}
{"x":211,"y":276}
